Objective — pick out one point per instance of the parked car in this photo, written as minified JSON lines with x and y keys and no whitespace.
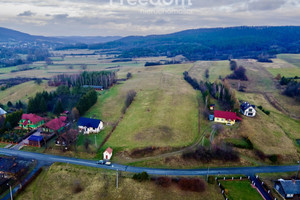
{"x":101,"y":162}
{"x":108,"y":163}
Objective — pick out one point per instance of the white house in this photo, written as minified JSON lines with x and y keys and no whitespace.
{"x":248,"y":110}
{"x":2,"y":112}
{"x":107,"y":154}
{"x":88,"y":125}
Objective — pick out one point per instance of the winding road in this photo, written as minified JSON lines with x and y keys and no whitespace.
{"x":46,"y":158}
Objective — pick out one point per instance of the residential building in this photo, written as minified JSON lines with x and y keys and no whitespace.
{"x":67,"y":138}
{"x":35,"y":140}
{"x":228,"y":118}
{"x":31,"y":121}
{"x":54,"y":126}
{"x":107,"y":154}
{"x":88,"y":125}
{"x":247,"y":109}
{"x":288,"y":189}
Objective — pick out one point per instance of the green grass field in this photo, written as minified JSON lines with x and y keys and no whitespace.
{"x":23,"y":92}
{"x":241,"y":190}
{"x":216,"y":69}
{"x":290,"y":58}
{"x":60,"y":180}
{"x":164,"y":112}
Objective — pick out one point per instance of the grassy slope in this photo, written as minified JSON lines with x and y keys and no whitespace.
{"x":58,"y":183}
{"x":241,"y":190}
{"x":23,"y":92}
{"x":164,"y":112}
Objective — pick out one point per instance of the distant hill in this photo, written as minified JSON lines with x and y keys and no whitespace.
{"x":211,"y":43}
{"x":89,"y":39}
{"x":7,"y":35}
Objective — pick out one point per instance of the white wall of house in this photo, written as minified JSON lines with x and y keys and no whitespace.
{"x":250,"y":112}
{"x":88,"y":130}
{"x":106,"y":155}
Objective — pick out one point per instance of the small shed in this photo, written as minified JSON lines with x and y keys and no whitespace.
{"x":35,"y":140}
{"x":107,"y":154}
{"x":212,"y":106}
{"x":211,"y":117}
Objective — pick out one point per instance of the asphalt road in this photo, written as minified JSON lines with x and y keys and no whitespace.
{"x":155,"y":171}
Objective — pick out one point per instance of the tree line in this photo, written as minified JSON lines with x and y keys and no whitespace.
{"x":102,"y":78}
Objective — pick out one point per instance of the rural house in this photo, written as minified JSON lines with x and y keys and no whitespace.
{"x":88,"y":125}
{"x":10,"y":168}
{"x":228,"y":118}
{"x":287,"y":188}
{"x":35,"y":140}
{"x":2,"y":112}
{"x":67,"y":138}
{"x":248,"y":110}
{"x":31,"y":121}
{"x":54,"y":126}
{"x":107,"y":154}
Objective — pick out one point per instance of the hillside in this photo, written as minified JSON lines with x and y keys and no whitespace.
{"x":211,"y":43}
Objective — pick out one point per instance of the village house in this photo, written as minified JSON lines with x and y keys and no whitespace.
{"x":54,"y":126}
{"x":248,"y":110}
{"x":88,"y":125}
{"x":67,"y":138}
{"x":10,"y":168}
{"x":107,"y":154}
{"x":31,"y":121}
{"x":288,"y":189}
{"x":228,"y":118}
{"x":35,"y":140}
{"x":2,"y":112}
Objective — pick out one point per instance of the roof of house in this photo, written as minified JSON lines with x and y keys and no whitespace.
{"x":93,"y":86}
{"x":32,"y":117}
{"x":109,"y":150}
{"x":2,"y":112}
{"x":246,"y":105}
{"x":70,"y":136}
{"x":290,"y":186}
{"x":55,"y":124}
{"x":227,"y":115}
{"x":88,"y":122}
{"x":35,"y":138}
{"x":63,"y":118}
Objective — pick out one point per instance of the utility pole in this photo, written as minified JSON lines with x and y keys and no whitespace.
{"x":117,"y":182}
{"x":95,"y":141}
{"x":10,"y":192}
{"x":298,"y":169}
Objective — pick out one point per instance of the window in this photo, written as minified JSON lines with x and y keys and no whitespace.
{"x":250,"y":110}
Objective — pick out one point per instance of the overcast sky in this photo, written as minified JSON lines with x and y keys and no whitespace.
{"x":111,"y":17}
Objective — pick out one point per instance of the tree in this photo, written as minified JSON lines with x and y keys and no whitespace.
{"x":43,"y":105}
{"x":207,"y":73}
{"x":87,"y":143}
{"x":58,"y":108}
{"x":75,"y":113}
{"x":48,"y":61}
{"x":233,"y":65}
{"x":129,"y":75}
{"x":38,"y":81}
{"x":9,"y":104}
{"x":83,"y":66}
{"x":278,"y":77}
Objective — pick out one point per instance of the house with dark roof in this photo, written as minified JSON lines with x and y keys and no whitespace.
{"x":31,"y":121}
{"x":10,"y":168}
{"x":247,"y":109}
{"x":54,"y":126}
{"x":67,"y":138}
{"x":2,"y":112}
{"x":35,"y":140}
{"x":88,"y":125}
{"x":96,"y":87}
{"x":228,"y":118}
{"x":288,"y":189}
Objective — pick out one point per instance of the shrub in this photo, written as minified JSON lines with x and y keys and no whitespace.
{"x":194,"y":185}
{"x":273,"y":158}
{"x":77,"y":187}
{"x":144,"y":176}
{"x":260,"y":107}
{"x":163,"y":181}
{"x":211,"y":180}
{"x":260,"y":154}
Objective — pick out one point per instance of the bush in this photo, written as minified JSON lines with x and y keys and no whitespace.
{"x":194,"y":185}
{"x":211,"y":180}
{"x":144,"y":176}
{"x":129,"y":99}
{"x":260,"y":107}
{"x":77,"y":187}
{"x":260,"y":154}
{"x":163,"y":181}
{"x":273,"y":158}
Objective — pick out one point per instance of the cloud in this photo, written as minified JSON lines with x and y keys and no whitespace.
{"x":265,"y":4}
{"x":27,"y":13}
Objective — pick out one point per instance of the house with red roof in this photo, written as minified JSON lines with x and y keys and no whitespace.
{"x":228,"y":118}
{"x":107,"y":154}
{"x":54,"y":126}
{"x":31,"y":121}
